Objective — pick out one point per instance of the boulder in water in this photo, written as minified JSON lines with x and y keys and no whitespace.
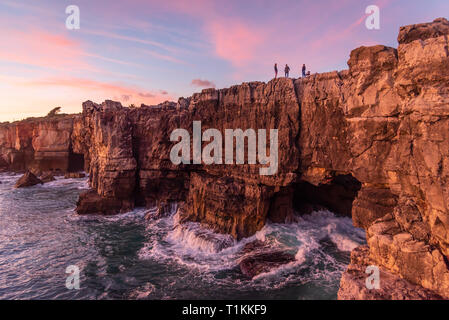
{"x":74,"y":175}
{"x":47,"y":177}
{"x":90,"y":202}
{"x":254,"y":247}
{"x":259,"y":258}
{"x":28,"y":180}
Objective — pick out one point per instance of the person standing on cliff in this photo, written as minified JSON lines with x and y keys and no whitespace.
{"x":304,"y":70}
{"x":275,"y":70}
{"x":287,"y":70}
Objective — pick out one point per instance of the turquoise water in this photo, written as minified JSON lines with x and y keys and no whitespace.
{"x":127,"y":257}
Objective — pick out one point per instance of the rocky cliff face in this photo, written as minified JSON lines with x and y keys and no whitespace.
{"x":128,"y":152}
{"x":39,"y":144}
{"x":370,"y":141}
{"x":410,"y":149}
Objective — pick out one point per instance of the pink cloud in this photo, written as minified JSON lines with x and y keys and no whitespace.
{"x":146,"y":95}
{"x":45,"y":49}
{"x":202,"y":83}
{"x":234,"y":40}
{"x":41,"y":48}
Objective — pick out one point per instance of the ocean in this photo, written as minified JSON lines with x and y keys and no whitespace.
{"x":128,"y":257}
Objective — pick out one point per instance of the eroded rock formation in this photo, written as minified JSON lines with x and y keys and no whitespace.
{"x":258,"y":257}
{"x":391,"y":286}
{"x":371,"y":141}
{"x":28,"y":180}
{"x":39,"y":145}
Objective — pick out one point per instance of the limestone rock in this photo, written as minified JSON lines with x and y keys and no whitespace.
{"x":391,"y":287}
{"x":439,"y":27}
{"x":91,"y":203}
{"x":39,"y":144}
{"x":27,"y":180}
{"x":260,"y":258}
{"x":381,"y":124}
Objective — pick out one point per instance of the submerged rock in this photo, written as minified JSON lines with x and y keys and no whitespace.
{"x":264,"y":262}
{"x":255,"y":246}
{"x":259,"y":258}
{"x":28,"y":180}
{"x":47,"y":177}
{"x":91,"y":203}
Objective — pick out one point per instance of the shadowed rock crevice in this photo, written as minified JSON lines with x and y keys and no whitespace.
{"x":139,"y":198}
{"x":76,"y":162}
{"x":336,"y":195}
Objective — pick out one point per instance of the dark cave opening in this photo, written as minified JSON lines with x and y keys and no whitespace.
{"x":76,"y":162}
{"x":337,"y":195}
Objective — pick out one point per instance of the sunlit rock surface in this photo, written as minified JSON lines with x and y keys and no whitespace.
{"x":371,"y":141}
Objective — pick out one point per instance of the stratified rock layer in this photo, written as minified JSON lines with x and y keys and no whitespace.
{"x":371,"y":141}
{"x":353,"y":284}
{"x":39,"y":145}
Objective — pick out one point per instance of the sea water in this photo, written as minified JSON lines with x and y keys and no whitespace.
{"x":127,"y":257}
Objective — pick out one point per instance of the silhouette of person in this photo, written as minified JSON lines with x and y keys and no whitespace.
{"x":286,"y":70}
{"x":303,"y":70}
{"x":275,"y":70}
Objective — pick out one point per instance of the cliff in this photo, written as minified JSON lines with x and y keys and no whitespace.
{"x":370,"y":142}
{"x":39,"y":144}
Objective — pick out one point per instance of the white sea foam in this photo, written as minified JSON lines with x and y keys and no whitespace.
{"x":308,"y":237}
{"x":142,"y":292}
{"x":197,"y":238}
{"x":190,"y":245}
{"x":60,"y":181}
{"x":184,"y":258}
{"x":9,"y":179}
{"x":136,"y":214}
{"x":196,"y":247}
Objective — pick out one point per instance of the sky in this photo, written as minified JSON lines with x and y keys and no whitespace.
{"x":145,"y":51}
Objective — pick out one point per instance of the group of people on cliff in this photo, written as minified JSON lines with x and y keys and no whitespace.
{"x":287,"y":71}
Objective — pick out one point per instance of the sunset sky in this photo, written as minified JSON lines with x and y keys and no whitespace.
{"x":144,"y":51}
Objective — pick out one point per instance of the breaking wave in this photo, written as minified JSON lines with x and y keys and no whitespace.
{"x":321,"y":243}
{"x":126,"y":256}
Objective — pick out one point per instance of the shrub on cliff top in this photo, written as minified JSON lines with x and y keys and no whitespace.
{"x":54,"y":112}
